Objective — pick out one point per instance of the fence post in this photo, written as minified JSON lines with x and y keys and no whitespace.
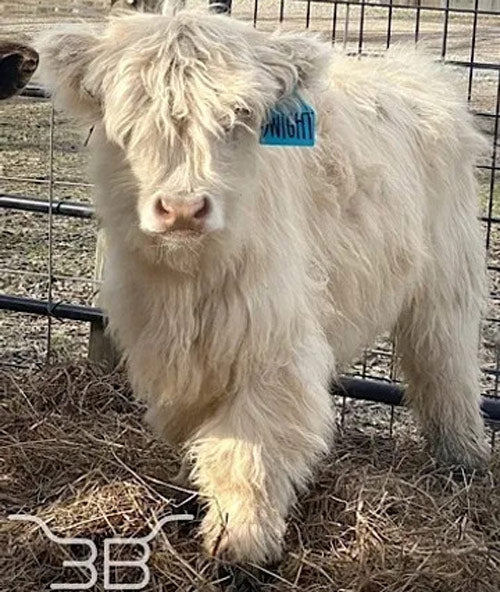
{"x":102,"y":350}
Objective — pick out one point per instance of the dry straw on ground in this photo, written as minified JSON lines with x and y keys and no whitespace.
{"x":381,"y":516}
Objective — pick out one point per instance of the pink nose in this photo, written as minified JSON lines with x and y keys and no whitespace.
{"x":176,"y":215}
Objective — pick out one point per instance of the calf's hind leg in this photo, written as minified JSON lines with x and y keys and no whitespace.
{"x":437,"y":337}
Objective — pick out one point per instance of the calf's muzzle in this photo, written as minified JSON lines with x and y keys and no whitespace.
{"x":173,"y":215}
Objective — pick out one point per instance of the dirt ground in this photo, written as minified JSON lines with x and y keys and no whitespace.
{"x":381,"y":516}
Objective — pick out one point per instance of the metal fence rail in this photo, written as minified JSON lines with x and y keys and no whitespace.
{"x":354,"y":388}
{"x":42,"y":206}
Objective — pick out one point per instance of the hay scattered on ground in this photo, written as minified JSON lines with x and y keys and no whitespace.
{"x":381,"y":516}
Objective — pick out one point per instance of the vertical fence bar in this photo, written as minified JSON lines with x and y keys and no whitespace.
{"x":491,"y":195}
{"x":361,"y":26}
{"x":346,"y":26}
{"x":334,"y":22}
{"x":417,"y":21}
{"x":393,"y":377}
{"x":445,"y":29}
{"x":389,"y":25}
{"x":308,"y":14}
{"x":48,"y":354}
{"x":364,"y":363}
{"x":473,"y":50}
{"x":497,"y":365}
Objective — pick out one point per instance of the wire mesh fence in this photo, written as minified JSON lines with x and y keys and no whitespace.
{"x":50,"y":257}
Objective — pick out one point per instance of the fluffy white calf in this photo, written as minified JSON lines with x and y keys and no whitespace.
{"x":240,"y":277}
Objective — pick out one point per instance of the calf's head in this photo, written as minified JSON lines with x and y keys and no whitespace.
{"x":182,"y":98}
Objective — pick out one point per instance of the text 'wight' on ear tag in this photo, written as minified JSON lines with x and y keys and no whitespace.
{"x":290,"y":125}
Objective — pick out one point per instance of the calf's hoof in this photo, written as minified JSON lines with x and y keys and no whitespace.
{"x":241,"y":538}
{"x":470,"y":455}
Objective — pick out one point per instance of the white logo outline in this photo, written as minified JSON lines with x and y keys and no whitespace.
{"x":89,"y":562}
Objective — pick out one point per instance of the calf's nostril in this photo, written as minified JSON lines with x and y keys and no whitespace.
{"x":164,"y":207}
{"x":202,"y":209}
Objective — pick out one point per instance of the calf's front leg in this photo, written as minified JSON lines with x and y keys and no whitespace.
{"x":249,"y":459}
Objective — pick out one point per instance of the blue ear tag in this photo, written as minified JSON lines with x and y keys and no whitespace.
{"x":289,"y":125}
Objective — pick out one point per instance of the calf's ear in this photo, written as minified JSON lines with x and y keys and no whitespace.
{"x":296,"y":60}
{"x":67,"y":55}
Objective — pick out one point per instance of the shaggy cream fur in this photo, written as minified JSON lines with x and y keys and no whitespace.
{"x":233,"y":335}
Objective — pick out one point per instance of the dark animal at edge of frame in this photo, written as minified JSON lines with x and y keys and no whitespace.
{"x":18,"y":63}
